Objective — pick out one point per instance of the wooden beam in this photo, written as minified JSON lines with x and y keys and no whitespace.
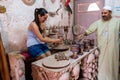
{"x":3,"y":63}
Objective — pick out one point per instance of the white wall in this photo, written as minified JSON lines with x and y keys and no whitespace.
{"x":115,"y":4}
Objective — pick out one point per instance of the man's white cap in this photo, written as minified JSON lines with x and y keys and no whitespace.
{"x":107,"y":8}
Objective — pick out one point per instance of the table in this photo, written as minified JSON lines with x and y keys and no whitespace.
{"x":39,"y":72}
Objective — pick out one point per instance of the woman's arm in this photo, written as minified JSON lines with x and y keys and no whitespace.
{"x":44,"y":29}
{"x":34,"y":28}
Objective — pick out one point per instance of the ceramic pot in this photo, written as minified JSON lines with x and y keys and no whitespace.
{"x":75,"y":50}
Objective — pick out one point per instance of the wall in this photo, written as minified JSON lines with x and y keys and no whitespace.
{"x":14,"y":22}
{"x":115,"y":4}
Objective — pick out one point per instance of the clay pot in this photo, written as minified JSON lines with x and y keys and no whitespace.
{"x":29,"y":2}
{"x":76,"y":72}
{"x":86,"y":45}
{"x":75,"y":50}
{"x":81,"y":50}
{"x":75,"y":55}
{"x":92,"y":43}
{"x":65,"y":76}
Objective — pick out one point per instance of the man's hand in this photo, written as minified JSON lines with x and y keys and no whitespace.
{"x":81,"y":36}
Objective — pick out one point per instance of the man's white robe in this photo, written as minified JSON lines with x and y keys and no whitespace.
{"x":107,"y":35}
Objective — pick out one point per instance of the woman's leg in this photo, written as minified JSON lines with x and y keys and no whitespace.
{"x":41,"y":56}
{"x":48,"y":53}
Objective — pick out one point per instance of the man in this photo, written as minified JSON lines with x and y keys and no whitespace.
{"x":107,"y":35}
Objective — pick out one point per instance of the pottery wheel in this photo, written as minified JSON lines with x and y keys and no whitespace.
{"x":52,"y":63}
{"x":61,"y":47}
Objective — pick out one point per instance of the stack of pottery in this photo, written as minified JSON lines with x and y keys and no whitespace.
{"x":79,"y":48}
{"x":89,"y":66}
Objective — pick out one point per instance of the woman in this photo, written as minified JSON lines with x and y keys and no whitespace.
{"x":36,"y":36}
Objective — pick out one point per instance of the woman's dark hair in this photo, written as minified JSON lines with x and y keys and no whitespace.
{"x":41,"y":12}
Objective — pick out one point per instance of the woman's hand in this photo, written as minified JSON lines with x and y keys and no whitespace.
{"x":58,"y":40}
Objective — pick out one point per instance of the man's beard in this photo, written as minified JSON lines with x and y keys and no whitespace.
{"x":106,"y":18}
